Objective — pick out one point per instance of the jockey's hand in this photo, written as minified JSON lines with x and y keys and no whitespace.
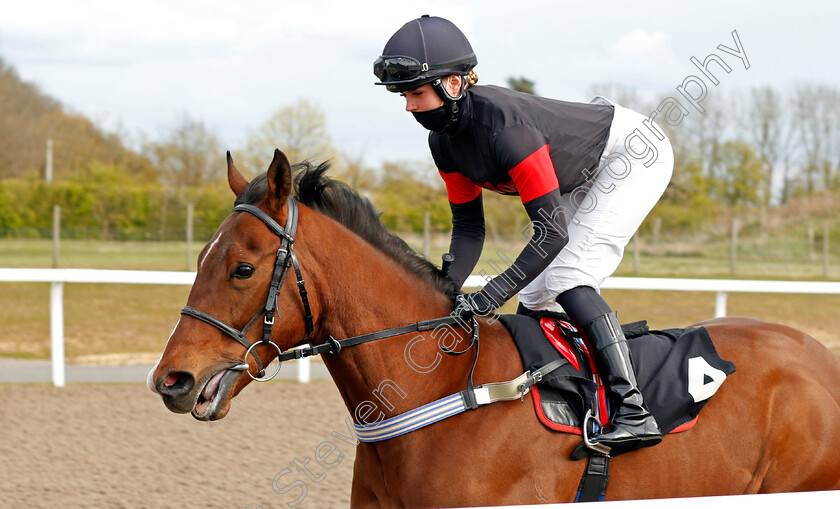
{"x":476,"y":303}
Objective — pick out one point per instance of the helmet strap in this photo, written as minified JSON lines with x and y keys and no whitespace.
{"x":454,"y":116}
{"x":449,"y":101}
{"x":443,"y":93}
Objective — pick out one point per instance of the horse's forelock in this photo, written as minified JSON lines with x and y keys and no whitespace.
{"x":254,"y":192}
{"x":304,"y":174}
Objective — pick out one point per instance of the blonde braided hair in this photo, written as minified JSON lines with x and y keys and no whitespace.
{"x":470,"y":79}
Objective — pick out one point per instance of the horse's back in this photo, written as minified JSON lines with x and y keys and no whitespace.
{"x":774,"y":350}
{"x":786,"y":396}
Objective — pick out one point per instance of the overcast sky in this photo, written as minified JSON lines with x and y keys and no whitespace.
{"x":139,"y":65}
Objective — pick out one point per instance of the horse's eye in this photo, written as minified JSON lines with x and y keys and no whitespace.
{"x":243,"y":271}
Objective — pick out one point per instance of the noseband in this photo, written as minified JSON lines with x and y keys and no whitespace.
{"x":285,"y":258}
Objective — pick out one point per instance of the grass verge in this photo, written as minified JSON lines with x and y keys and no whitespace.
{"x":130,"y":321}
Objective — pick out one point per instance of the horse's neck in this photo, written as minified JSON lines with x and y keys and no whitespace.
{"x":360,"y":290}
{"x":367,"y":290}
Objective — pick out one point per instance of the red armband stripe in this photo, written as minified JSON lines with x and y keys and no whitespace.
{"x":459,"y":188}
{"x":535,"y":176}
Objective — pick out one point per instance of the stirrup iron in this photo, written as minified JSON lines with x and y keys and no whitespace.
{"x":594,"y":446}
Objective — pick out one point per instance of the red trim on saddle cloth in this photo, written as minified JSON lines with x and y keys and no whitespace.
{"x":552,"y":328}
{"x":535,"y":395}
{"x":684,"y":427}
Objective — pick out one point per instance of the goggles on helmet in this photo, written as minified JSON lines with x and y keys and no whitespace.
{"x":401,"y":68}
{"x":398,"y":68}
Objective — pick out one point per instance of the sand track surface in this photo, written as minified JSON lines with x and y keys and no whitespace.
{"x":116,"y":445}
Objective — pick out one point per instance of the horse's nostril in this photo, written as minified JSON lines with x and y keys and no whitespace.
{"x":176,"y":384}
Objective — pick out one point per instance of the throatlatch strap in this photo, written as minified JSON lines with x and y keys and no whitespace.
{"x":593,"y":484}
{"x":307,"y":317}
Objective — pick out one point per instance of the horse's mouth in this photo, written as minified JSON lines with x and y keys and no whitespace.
{"x":211,"y":398}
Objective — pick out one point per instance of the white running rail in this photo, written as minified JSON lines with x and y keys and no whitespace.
{"x":58,"y":277}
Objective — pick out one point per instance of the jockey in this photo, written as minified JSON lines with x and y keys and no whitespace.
{"x":587,"y":174}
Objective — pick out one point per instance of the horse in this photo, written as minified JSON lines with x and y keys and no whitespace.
{"x":771,"y":427}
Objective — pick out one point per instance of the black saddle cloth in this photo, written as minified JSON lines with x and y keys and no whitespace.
{"x":678,"y":370}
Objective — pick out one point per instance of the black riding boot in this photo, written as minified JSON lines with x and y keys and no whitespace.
{"x":631,"y":426}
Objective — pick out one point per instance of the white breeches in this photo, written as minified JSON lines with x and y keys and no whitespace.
{"x":603,"y":214}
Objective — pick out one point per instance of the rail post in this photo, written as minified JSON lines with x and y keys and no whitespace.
{"x":57,"y":332}
{"x":720,"y":304}
{"x":304,"y":370}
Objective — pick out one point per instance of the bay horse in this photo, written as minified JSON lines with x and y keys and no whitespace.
{"x":771,"y":427}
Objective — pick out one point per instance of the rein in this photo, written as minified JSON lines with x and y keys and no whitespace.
{"x":286,"y":258}
{"x":469,"y":399}
{"x":334,"y":346}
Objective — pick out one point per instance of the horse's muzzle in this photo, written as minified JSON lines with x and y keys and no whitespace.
{"x":176,"y":389}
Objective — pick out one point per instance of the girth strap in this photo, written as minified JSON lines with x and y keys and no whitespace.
{"x":451,"y":405}
{"x":596,"y":477}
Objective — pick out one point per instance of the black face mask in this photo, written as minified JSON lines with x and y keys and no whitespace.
{"x":433,"y":120}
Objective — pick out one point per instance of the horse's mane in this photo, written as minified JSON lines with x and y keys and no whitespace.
{"x":338,"y":201}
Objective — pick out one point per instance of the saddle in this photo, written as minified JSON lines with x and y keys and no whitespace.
{"x":678,"y":371}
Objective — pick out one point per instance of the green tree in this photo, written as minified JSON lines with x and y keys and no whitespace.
{"x":816,"y":109}
{"x":687,"y":202}
{"x":352,"y":170}
{"x":299,"y":130}
{"x":406,"y":192}
{"x":742,"y":181}
{"x":769,"y":128}
{"x":213,"y":203}
{"x":23,"y":109}
{"x":522,"y":84}
{"x":504,"y":217}
{"x":188,"y":155}
{"x":28,"y":118}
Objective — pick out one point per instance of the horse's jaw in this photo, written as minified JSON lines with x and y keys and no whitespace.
{"x":211,"y":395}
{"x":213,"y":401}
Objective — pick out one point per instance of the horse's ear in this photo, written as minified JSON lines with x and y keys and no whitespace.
{"x":236,"y":181}
{"x":279,"y":177}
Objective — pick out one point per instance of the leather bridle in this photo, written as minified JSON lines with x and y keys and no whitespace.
{"x":285,"y":259}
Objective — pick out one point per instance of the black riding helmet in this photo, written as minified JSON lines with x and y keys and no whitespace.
{"x":423,"y":51}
